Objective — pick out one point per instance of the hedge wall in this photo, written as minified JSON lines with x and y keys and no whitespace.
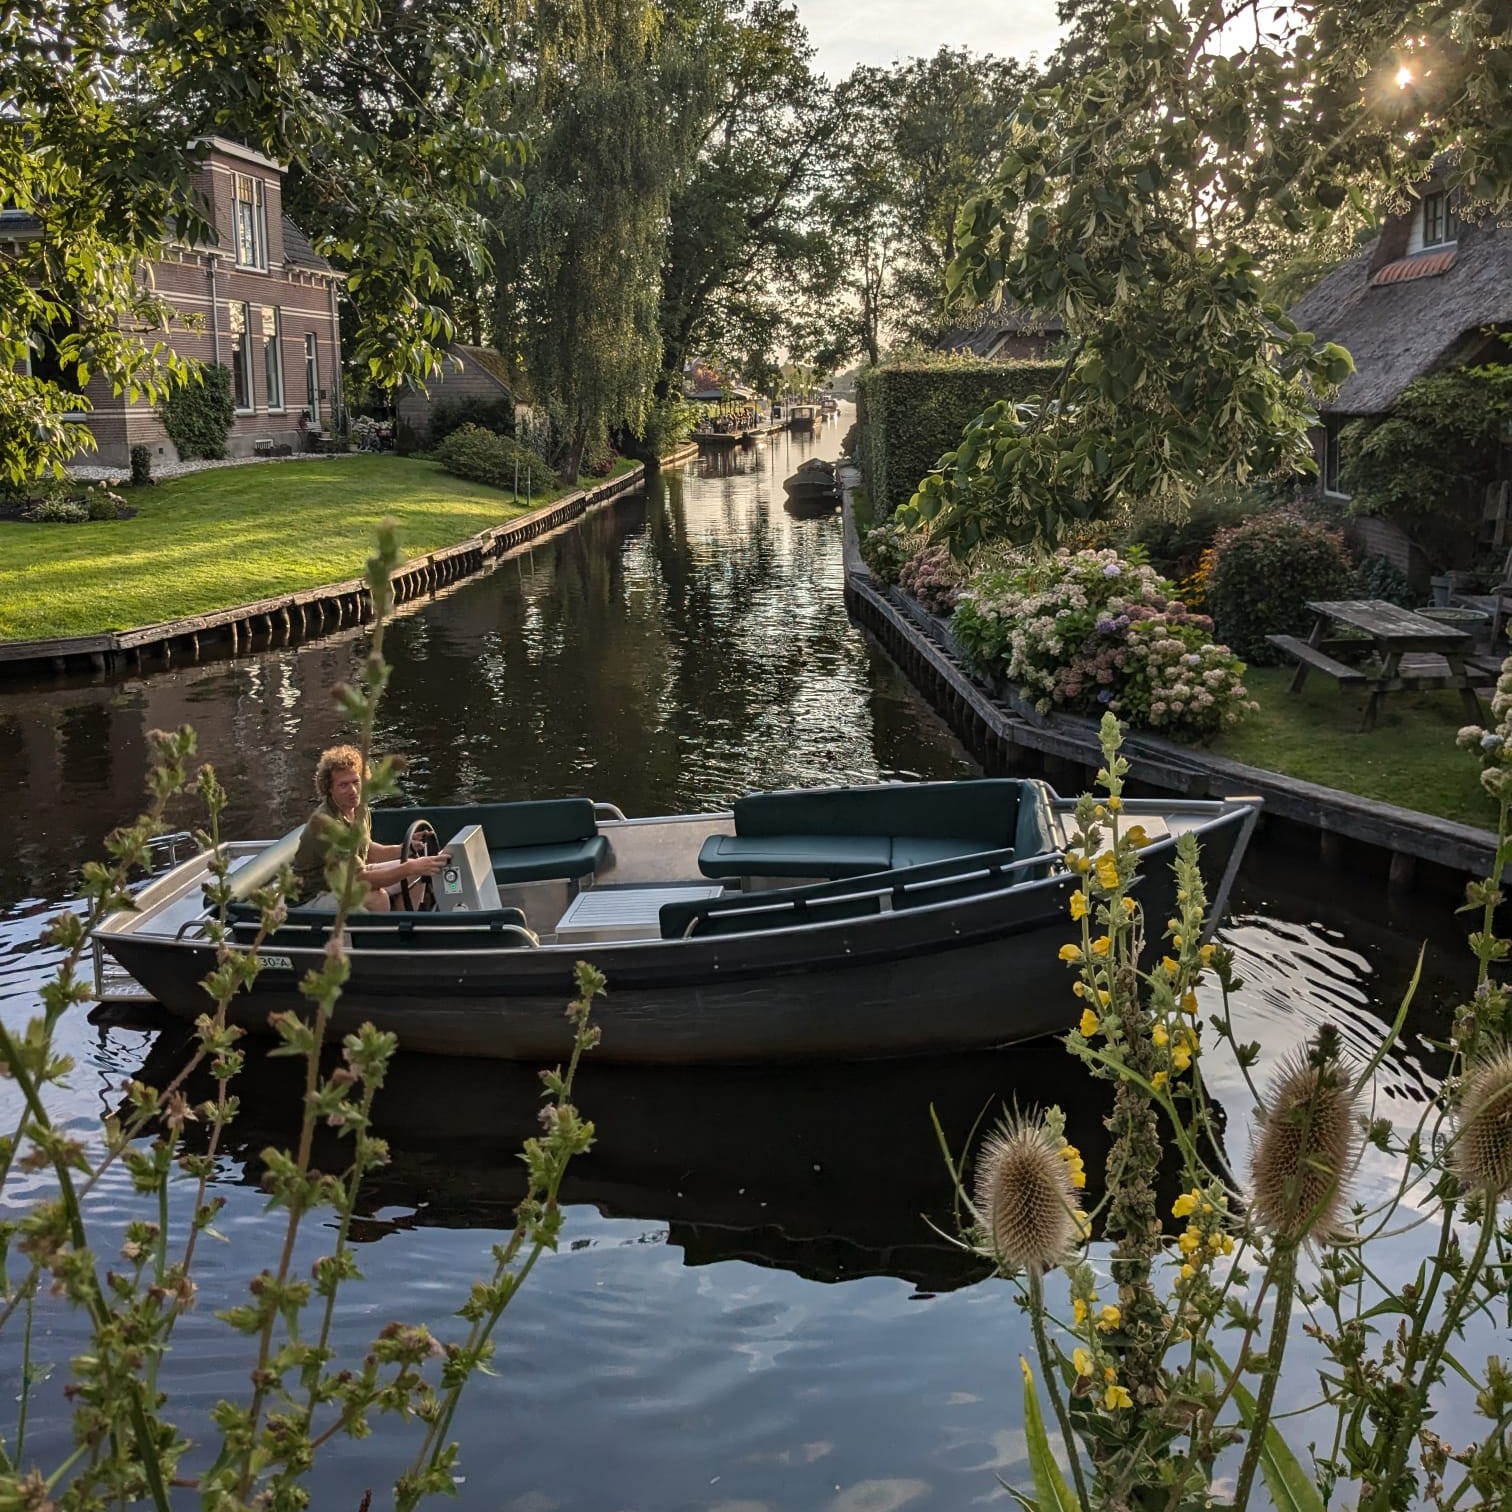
{"x":911,"y":413}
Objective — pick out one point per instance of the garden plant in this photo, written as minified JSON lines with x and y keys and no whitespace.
{"x":1162,"y":1351}
{"x":133,"y":1283}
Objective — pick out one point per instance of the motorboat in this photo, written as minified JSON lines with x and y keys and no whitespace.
{"x":813,"y":489}
{"x":819,"y":924}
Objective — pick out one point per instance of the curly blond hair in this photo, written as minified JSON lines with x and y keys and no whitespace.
{"x":342,"y":758}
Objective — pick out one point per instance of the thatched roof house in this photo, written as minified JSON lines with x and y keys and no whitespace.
{"x":475,"y":373}
{"x":1003,"y":335}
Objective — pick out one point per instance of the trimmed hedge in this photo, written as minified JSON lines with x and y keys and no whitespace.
{"x":482,"y":457}
{"x":912,"y":413}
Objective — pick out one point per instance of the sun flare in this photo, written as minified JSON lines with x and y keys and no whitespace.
{"x":1403,"y":76}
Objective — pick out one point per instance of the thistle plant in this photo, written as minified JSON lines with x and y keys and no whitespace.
{"x":1164,"y":1374}
{"x":133,"y":1284}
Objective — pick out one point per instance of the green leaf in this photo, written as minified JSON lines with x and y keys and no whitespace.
{"x":1052,"y":1494}
{"x":1292,"y":1489}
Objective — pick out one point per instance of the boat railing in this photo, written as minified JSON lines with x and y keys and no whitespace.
{"x":902,"y":888}
{"x":608,"y":811}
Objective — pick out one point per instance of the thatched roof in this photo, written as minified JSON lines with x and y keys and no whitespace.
{"x":486,"y":360}
{"x":984,"y":332}
{"x":1408,"y":316}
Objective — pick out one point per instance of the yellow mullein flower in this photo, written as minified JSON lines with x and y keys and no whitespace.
{"x":1128,"y":906}
{"x":1190,"y":1241}
{"x":1077,"y":863}
{"x":1215,"y":1243}
{"x":1083,"y":1222}
{"x":1181,"y":1056}
{"x":1104,"y":996}
{"x":1188,"y":1271}
{"x":1078,"y":1311}
{"x":1079,"y":988}
{"x":1078,"y":905}
{"x":1171,"y":964}
{"x":1176,"y":941}
{"x":1116,"y":1397}
{"x":1081,"y":1361}
{"x":1101,"y":945}
{"x":1159,"y":1037}
{"x":1205,"y":952}
{"x":1115,"y":804}
{"x":1189,"y":1002}
{"x":1072,"y":1156}
{"x":1159,"y":1080}
{"x":1090,"y":1023}
{"x":1109,"y":1318}
{"x":1137,"y":837}
{"x":1070,"y":953}
{"x":1107,"y":870}
{"x":1185,"y":1205}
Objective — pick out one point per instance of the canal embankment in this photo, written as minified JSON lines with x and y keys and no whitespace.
{"x":284,"y":618}
{"x":1406,"y":845}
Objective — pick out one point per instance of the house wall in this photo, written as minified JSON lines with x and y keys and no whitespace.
{"x":458,"y":379}
{"x":204,"y":285}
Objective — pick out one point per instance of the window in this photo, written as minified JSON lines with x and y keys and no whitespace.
{"x":1331,"y":484}
{"x":250,"y":222}
{"x":312,"y":378}
{"x":239,"y":319}
{"x":272,"y":336}
{"x":1440,"y":223}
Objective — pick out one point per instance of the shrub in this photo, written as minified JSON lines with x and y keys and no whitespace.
{"x":933,"y":577}
{"x":141,"y":466}
{"x":100,"y":503}
{"x":1378,"y":577}
{"x":886,"y":551}
{"x":448,"y":415}
{"x":58,"y":510}
{"x":198,"y":415}
{"x":482,"y":457}
{"x":1090,"y":631}
{"x":668,"y":425}
{"x":1265,"y":572}
{"x":911,"y":414}
{"x":1175,"y":547}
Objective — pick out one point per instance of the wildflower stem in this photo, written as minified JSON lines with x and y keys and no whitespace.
{"x":1050,"y":1366}
{"x":1414,"y":1410}
{"x":1284,"y":1275}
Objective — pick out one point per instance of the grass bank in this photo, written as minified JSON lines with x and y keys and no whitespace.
{"x":231,"y":535}
{"x":1409,"y":758}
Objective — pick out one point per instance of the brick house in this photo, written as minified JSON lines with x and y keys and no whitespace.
{"x":1430,"y":292}
{"x":259,"y":301}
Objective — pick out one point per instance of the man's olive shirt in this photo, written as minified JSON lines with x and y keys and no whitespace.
{"x":315,"y":846}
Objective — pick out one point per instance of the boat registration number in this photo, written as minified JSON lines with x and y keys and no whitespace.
{"x":276,"y":963}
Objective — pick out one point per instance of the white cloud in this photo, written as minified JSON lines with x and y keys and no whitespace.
{"x":848,"y":32}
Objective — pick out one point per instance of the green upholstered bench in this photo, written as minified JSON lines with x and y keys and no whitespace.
{"x":848,"y":898}
{"x":307,"y":928}
{"x":547,"y":840}
{"x":850,"y":832}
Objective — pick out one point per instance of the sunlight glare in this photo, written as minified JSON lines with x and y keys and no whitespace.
{"x":1403,"y":76}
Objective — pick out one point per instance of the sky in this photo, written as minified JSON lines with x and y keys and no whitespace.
{"x":848,"y":32}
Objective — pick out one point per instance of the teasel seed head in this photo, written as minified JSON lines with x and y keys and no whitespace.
{"x":1482,"y":1153}
{"x":1024,"y":1196}
{"x":1306,"y":1146}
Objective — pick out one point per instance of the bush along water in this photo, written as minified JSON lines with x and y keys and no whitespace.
{"x":133,"y":1281}
{"x":1090,"y":631}
{"x":934,"y":578}
{"x":1162,"y":1349}
{"x":500,"y":461}
{"x":887,"y":549}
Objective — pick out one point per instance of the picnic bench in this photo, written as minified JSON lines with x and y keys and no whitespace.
{"x":1411,"y":652}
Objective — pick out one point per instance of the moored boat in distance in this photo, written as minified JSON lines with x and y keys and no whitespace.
{"x":823,"y":924}
{"x":801,"y":417}
{"x":813,"y":489}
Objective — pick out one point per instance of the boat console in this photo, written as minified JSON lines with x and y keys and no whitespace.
{"x":466,"y":884}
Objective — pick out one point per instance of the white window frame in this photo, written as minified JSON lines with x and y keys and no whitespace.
{"x":312,"y":377}
{"x":241,"y":355}
{"x":273,"y":363}
{"x":254,"y":201}
{"x":1442,"y":212}
{"x":1331,"y":487}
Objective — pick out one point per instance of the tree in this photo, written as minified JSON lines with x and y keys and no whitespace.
{"x":742,"y":254}
{"x":104,"y":106}
{"x":1128,"y":202}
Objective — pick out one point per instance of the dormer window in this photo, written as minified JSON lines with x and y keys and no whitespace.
{"x":251,"y":222}
{"x":1440,"y":223}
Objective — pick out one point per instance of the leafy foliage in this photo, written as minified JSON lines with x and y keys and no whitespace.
{"x":910,"y":413}
{"x":1174,"y":545}
{"x":887,"y":549}
{"x":198,"y":413}
{"x":1426,"y":464}
{"x":1264,"y":573}
{"x":141,"y":466}
{"x":447,"y":415}
{"x":483,"y":457}
{"x":933,"y":577}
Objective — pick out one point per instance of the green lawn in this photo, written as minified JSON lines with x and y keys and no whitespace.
{"x":1409,"y":758}
{"x":228,"y":536}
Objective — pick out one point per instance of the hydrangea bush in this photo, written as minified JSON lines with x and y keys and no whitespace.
{"x":887,"y":549}
{"x":934,"y":578}
{"x":1093,"y":631}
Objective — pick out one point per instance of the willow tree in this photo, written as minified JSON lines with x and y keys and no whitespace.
{"x":1128,"y":202}
{"x":578,"y":294}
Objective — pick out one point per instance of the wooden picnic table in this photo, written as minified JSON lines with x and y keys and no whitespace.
{"x":1390,"y":633}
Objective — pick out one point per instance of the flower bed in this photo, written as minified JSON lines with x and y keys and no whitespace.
{"x":1091,"y":631}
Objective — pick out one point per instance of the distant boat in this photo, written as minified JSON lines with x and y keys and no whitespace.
{"x":801,"y":417}
{"x":813,"y":489}
{"x":829,"y":405}
{"x":717,"y":438}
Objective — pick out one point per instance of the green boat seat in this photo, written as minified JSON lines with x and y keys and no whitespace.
{"x":803,"y":855}
{"x":308,"y":929}
{"x":545,"y":840}
{"x":919,"y":850}
{"x":846,"y":832}
{"x":959,"y":877}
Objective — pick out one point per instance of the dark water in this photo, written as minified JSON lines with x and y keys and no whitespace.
{"x":753,"y":1307}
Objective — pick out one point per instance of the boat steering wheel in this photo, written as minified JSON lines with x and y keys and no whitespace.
{"x":420,"y":839}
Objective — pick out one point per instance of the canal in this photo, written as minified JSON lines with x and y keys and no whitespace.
{"x":754,"y":1306}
